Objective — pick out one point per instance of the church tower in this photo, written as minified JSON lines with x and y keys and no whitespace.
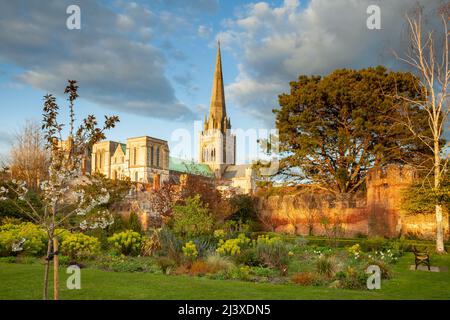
{"x":217,"y":144}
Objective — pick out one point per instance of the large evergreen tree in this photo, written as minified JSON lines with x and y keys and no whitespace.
{"x":333,"y":128}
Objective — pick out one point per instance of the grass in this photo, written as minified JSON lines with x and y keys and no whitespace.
{"x":24,"y":281}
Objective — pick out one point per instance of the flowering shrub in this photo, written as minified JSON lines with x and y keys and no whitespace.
{"x":80,"y":246}
{"x":265,"y":239}
{"x":355,"y":250}
{"x":190,"y":250}
{"x":220,"y":233}
{"x":126,"y":242}
{"x":25,"y":238}
{"x":386,"y":256}
{"x":232,"y":246}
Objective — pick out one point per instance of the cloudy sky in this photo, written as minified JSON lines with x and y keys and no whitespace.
{"x":151,"y":62}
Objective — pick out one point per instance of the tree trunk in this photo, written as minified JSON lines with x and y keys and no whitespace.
{"x":55,"y":269}
{"x":47,"y":265}
{"x":438,"y":211}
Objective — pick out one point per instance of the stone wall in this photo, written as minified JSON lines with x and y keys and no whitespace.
{"x":375,"y":212}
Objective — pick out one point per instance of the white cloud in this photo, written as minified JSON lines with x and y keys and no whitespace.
{"x":204,"y":31}
{"x":110,"y":56}
{"x":274,"y":45}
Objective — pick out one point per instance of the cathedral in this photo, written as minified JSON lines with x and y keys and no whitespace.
{"x":144,"y":159}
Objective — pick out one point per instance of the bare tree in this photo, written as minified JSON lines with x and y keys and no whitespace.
{"x":29,"y":157}
{"x":429,"y":57}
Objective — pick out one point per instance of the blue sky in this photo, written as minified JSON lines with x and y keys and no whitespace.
{"x":151,"y":62}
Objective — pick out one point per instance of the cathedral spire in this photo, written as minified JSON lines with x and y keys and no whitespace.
{"x":217,"y":110}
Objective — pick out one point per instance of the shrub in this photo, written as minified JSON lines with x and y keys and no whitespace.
{"x":355,"y":250}
{"x":192,"y":219}
{"x":374,"y":244}
{"x":126,"y":242}
{"x":273,"y":254}
{"x":199,"y":268}
{"x":8,"y":259}
{"x":304,"y":278}
{"x":326,"y":266}
{"x":25,"y":238}
{"x":232,"y":246}
{"x":166,"y":264}
{"x":384,"y":268}
{"x":352,"y":278}
{"x":170,"y":245}
{"x":80,"y":246}
{"x":217,"y":263}
{"x":205,"y":245}
{"x":238,"y":273}
{"x":134,"y":223}
{"x":151,"y":244}
{"x":190,"y":250}
{"x":220,"y":233}
{"x":248,"y":257}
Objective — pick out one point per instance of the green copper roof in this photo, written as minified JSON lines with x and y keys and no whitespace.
{"x":124,"y":148}
{"x":187,"y":166}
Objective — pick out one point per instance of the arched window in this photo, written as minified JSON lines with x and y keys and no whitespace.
{"x":152,"y":155}
{"x":136,"y":176}
{"x":134,"y":156}
{"x":157,"y":156}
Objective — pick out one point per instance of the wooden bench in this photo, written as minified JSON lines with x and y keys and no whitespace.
{"x":421,"y":257}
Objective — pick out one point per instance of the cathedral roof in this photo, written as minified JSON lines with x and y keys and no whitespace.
{"x":186,"y":166}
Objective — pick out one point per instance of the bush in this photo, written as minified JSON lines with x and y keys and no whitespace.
{"x":352,"y":278}
{"x":25,"y":238}
{"x":78,"y":246}
{"x":151,"y":244}
{"x":374,"y":244}
{"x":190,"y":250}
{"x":217,"y":263}
{"x":126,"y":242}
{"x":205,"y":245}
{"x":326,"y":266}
{"x":200,"y":268}
{"x":232,"y":246}
{"x":238,"y":273}
{"x":134,"y":223}
{"x":192,"y":219}
{"x":273,"y":254}
{"x":171,"y":245}
{"x":166,"y":264}
{"x":248,"y":257}
{"x":304,"y":278}
{"x":384,"y":268}
{"x":8,"y":259}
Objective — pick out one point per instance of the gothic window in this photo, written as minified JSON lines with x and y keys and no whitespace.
{"x":157,"y":156}
{"x":152,"y":151}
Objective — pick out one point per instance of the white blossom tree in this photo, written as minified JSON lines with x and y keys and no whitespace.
{"x":68,"y":194}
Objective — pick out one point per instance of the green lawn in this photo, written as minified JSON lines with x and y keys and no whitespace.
{"x":21,"y":281}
